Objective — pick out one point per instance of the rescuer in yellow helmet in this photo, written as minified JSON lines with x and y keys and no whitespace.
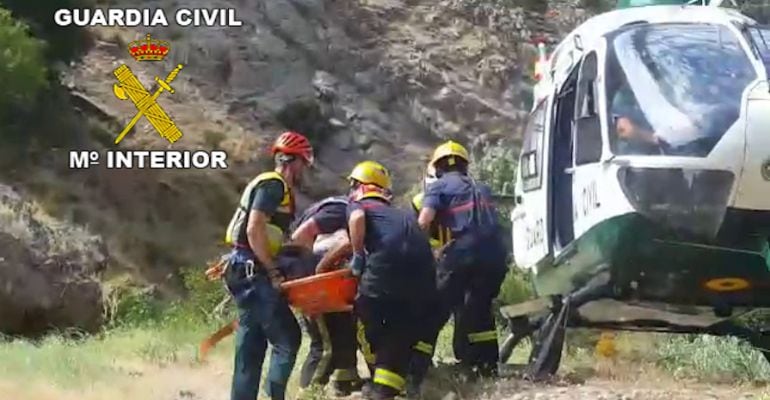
{"x":393,"y":261}
{"x":472,"y":264}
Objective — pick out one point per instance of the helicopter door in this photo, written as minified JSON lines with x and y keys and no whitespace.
{"x":562,"y":163}
{"x":530,"y":216}
{"x":588,"y":147}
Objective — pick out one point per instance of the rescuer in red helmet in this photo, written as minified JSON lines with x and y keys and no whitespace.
{"x":252,"y":277}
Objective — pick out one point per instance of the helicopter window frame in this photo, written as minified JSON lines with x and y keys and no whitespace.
{"x":755,"y":35}
{"x":588,"y":141}
{"x":531,"y":160}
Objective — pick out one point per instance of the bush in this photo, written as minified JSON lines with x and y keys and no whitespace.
{"x":142,"y":308}
{"x":516,"y":287}
{"x":725,"y":359}
{"x":65,"y":43}
{"x":22,"y":65}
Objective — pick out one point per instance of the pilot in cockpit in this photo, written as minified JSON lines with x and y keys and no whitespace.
{"x":634,"y":135}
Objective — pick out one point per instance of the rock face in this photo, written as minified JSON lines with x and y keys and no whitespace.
{"x":48,"y":271}
{"x":365,"y":79}
{"x":376,"y":79}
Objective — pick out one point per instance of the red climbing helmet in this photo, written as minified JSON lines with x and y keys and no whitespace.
{"x":294,"y":143}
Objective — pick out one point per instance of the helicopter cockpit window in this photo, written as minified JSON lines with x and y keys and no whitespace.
{"x":674,"y":89}
{"x":532,"y":149}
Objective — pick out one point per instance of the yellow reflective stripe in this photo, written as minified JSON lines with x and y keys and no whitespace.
{"x":344,"y":375}
{"x":326,"y":354}
{"x":388,"y":378}
{"x":366,"y":348}
{"x":239,"y":216}
{"x":485,"y":336}
{"x":424,"y":347}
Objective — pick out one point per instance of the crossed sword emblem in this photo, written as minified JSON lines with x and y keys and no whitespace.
{"x":130,"y":88}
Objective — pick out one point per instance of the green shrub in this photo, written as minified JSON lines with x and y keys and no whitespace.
{"x":22,"y":65}
{"x":711,"y":358}
{"x":135,"y":307}
{"x":142,"y":308}
{"x":495,"y":165}
{"x":516,"y":287}
{"x":65,"y":42}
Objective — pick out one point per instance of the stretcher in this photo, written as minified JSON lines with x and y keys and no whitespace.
{"x":314,"y":295}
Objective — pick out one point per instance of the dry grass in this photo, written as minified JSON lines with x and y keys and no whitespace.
{"x":28,"y":222}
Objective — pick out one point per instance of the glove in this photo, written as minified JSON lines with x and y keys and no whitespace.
{"x":357,"y":264}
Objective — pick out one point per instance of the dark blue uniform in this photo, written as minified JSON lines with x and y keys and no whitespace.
{"x":332,"y":354}
{"x":398,"y":278}
{"x":264,"y":314}
{"x":472,"y":266}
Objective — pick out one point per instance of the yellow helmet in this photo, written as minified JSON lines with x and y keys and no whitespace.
{"x":371,"y":173}
{"x":274,"y":239}
{"x":450,"y":149}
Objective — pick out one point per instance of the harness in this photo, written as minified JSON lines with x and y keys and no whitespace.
{"x":480,"y":208}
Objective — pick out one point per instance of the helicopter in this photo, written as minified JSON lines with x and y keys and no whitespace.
{"x":643,"y":189}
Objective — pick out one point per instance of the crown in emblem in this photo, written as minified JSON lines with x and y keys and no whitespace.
{"x":148,"y":49}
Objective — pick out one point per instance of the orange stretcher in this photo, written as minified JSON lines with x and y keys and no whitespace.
{"x":322,"y":293}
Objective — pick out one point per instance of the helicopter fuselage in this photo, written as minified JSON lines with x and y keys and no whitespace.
{"x":644,"y":178}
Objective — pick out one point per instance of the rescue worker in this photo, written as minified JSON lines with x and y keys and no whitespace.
{"x":633,"y":131}
{"x":422,"y":357}
{"x":472,"y":263}
{"x":394,"y":264}
{"x":332,"y":355}
{"x":254,"y":280}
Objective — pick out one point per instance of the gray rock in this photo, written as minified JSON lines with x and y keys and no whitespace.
{"x":49,"y":271}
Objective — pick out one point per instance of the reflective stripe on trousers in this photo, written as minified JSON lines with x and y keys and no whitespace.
{"x":326,"y":355}
{"x":388,"y":378}
{"x":366,"y":348}
{"x":424,"y":347}
{"x":484,"y":336}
